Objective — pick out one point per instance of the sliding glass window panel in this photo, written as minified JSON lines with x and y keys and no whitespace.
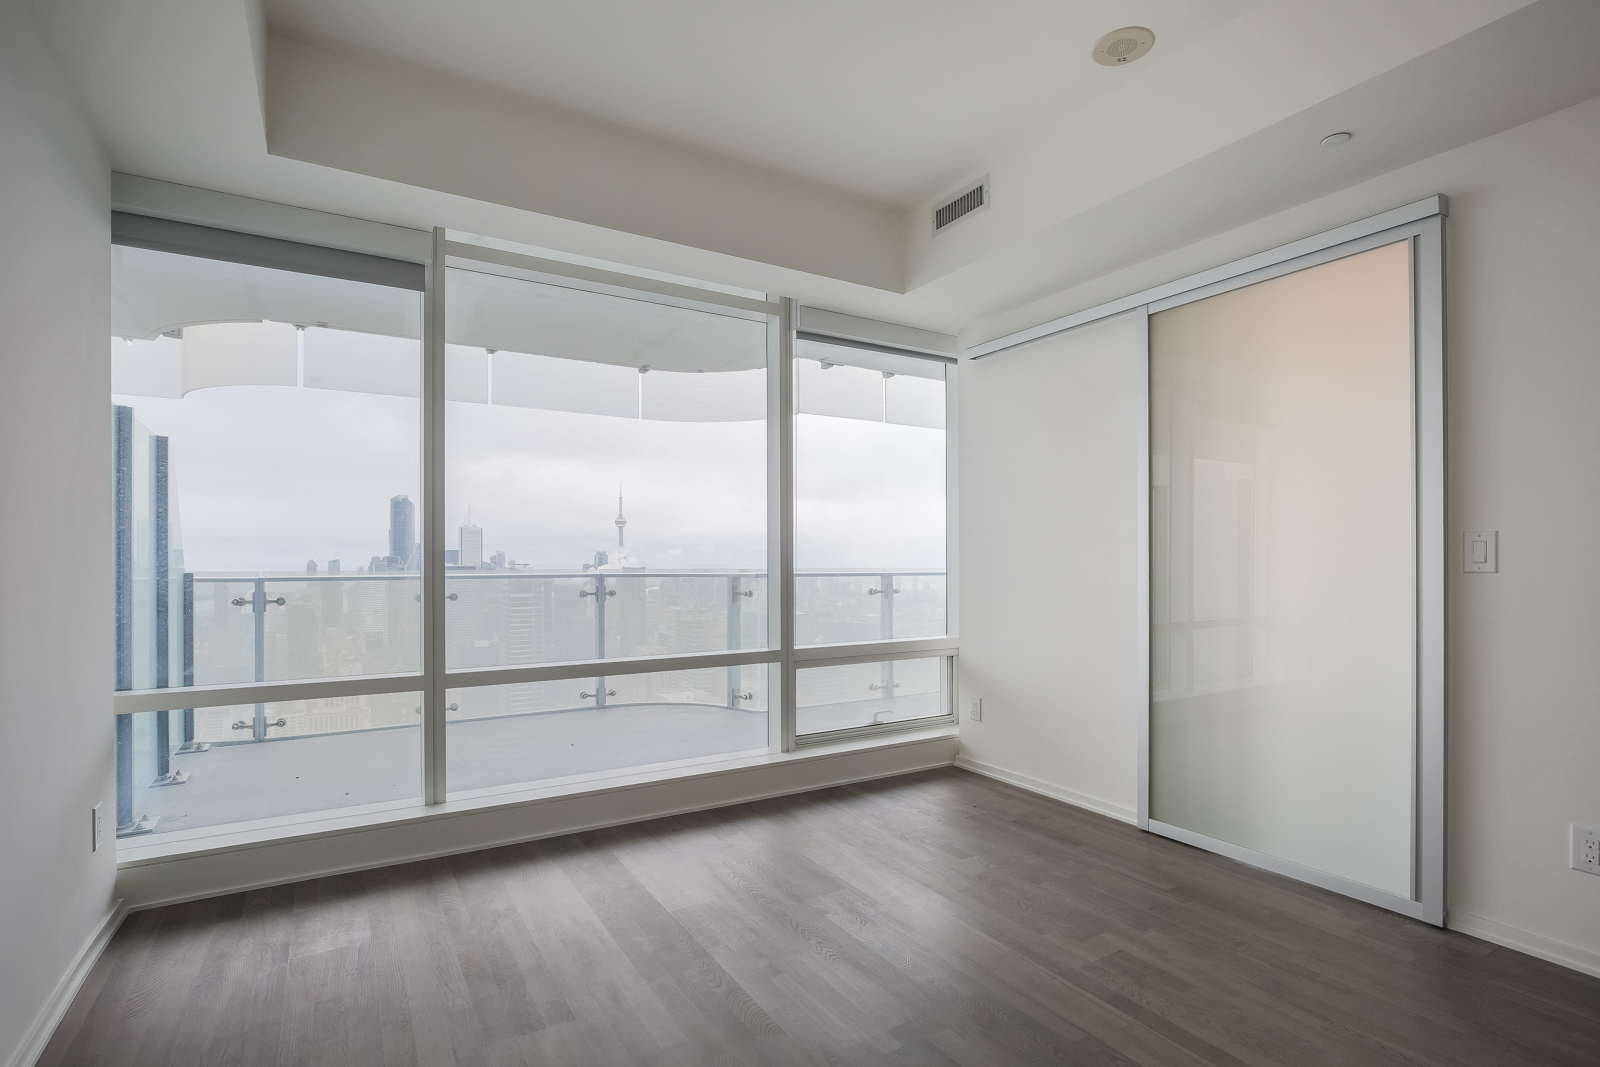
{"x":853,"y":695}
{"x":1283,"y":550}
{"x":188,"y":770}
{"x":606,"y":478}
{"x":266,"y":428}
{"x":869,"y":495}
{"x":579,"y":730}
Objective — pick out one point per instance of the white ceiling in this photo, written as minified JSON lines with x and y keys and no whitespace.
{"x":889,"y":100}
{"x":729,"y":163}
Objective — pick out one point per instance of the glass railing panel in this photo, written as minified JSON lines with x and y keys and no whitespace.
{"x":223,"y":625}
{"x":840,"y":607}
{"x":500,"y":620}
{"x":276,"y":628}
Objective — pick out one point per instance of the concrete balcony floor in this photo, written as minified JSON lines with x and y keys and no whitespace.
{"x":325,"y":772}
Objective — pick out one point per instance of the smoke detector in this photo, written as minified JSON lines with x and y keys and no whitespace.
{"x":1123,"y":46}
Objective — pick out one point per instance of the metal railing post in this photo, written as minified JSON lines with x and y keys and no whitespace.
{"x":258,"y":727}
{"x":735,"y":628}
{"x":887,"y":591}
{"x":600,"y":596}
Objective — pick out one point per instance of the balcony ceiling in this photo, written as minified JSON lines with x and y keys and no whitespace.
{"x":798,"y":148}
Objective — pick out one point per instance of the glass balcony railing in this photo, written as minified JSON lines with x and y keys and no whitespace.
{"x":280,"y":627}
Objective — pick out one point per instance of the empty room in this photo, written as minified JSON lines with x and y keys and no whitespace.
{"x":826,"y":533}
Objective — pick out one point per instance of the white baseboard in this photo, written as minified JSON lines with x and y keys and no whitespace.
{"x":1579,"y":959}
{"x":1048,"y":789}
{"x":44,"y":1026}
{"x":174,"y":879}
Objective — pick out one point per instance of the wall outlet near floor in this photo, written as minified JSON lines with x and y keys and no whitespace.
{"x":97,"y":824}
{"x":975,"y":709}
{"x":1585,"y":849}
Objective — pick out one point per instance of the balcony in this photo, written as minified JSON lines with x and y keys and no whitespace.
{"x":220,"y":766}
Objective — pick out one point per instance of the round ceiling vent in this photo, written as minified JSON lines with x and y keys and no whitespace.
{"x":1336,"y":138}
{"x":1123,"y":46}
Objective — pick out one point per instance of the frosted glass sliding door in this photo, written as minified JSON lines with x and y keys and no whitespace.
{"x":1284,"y":569}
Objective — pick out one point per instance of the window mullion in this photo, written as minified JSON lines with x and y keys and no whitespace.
{"x":780,"y":489}
{"x":433,"y":510}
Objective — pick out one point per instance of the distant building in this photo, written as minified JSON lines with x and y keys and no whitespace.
{"x":471,"y":551}
{"x":333,"y":566}
{"x":498,"y":559}
{"x":452,"y":558}
{"x":311,"y":566}
{"x":402,"y":528}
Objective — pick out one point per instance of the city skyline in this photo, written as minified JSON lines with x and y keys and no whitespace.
{"x":539,"y":484}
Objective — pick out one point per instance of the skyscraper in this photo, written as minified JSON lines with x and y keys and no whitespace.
{"x":402,"y":527}
{"x":471,"y":552}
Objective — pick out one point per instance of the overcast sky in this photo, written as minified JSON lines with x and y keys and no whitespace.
{"x":268,"y":477}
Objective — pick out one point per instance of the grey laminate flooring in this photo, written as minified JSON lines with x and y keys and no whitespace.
{"x":937,"y":918}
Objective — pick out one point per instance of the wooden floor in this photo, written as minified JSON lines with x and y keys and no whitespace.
{"x":938,"y":918}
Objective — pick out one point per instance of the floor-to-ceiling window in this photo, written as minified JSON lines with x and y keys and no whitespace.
{"x":390,"y":535}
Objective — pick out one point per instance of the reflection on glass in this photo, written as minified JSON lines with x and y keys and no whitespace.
{"x":869,"y":495}
{"x":318,"y":756}
{"x":606,"y":475}
{"x":868,"y":694}
{"x":1282,"y":576}
{"x":574,"y":729}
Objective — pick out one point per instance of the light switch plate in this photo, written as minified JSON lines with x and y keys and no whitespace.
{"x":976,"y":712}
{"x":97,"y":827}
{"x":1481,"y":551}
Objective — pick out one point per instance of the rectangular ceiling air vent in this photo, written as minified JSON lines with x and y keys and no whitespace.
{"x":961,"y":205}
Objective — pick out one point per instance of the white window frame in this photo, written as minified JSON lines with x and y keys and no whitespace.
{"x":435,"y":679}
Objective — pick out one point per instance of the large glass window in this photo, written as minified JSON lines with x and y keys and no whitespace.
{"x":266,"y":428}
{"x":603,"y":454}
{"x":267,"y":437}
{"x":606,"y":486}
{"x":869,"y":495}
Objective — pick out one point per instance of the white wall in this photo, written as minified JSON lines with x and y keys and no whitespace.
{"x":1050,"y":572}
{"x":1523,"y":286}
{"x":56,"y":733}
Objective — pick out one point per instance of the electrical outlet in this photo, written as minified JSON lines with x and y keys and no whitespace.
{"x":976,"y":712}
{"x":98,"y":827}
{"x":1585,"y":849}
